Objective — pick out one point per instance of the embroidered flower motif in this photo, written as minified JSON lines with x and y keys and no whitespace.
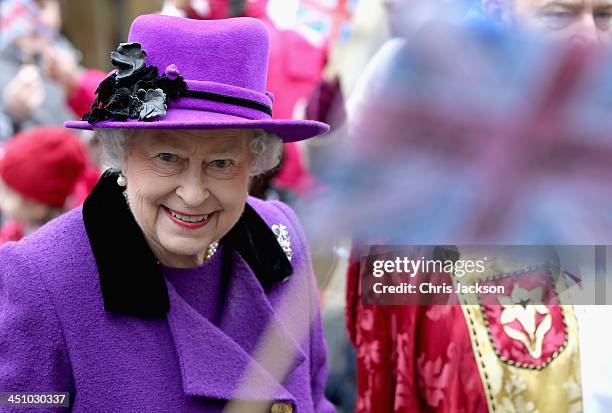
{"x":574,"y":395}
{"x":370,"y":354}
{"x":364,"y":404}
{"x":515,"y":401}
{"x":438,"y":312}
{"x":522,"y":306}
{"x":134,"y":90}
{"x":366,"y":319}
{"x":404,"y":386}
{"x":433,"y":376}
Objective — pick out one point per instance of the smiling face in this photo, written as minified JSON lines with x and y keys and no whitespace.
{"x":573,"y":20}
{"x":187,"y":189}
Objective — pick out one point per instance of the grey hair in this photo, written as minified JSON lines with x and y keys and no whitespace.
{"x":266,"y":147}
{"x":114,"y":144}
{"x":268,"y":150}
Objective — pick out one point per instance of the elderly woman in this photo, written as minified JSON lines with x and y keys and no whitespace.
{"x":170,"y":289}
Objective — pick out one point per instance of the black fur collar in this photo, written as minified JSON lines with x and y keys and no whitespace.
{"x":130,"y":278}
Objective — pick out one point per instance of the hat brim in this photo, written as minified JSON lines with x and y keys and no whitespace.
{"x":178,"y":118}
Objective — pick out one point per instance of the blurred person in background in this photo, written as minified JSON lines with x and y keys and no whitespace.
{"x":427,"y":358}
{"x":587,"y":21}
{"x":171,"y":289}
{"x":39,"y":172}
{"x":583,"y":22}
{"x":41,"y":82}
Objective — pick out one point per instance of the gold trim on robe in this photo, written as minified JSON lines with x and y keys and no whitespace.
{"x":554,"y":385}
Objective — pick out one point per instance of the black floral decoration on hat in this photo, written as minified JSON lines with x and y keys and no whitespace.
{"x":129,"y":58}
{"x":134,"y":90}
{"x":153,"y":103}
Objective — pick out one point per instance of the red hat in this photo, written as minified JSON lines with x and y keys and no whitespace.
{"x":43,"y":164}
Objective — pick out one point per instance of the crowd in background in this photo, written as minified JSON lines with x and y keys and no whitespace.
{"x":46,"y":170}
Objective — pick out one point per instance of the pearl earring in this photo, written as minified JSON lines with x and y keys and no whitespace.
{"x":121,"y":180}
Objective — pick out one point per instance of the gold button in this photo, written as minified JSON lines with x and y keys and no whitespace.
{"x":281,"y":408}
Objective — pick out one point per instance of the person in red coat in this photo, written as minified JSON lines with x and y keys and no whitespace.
{"x":39,"y":171}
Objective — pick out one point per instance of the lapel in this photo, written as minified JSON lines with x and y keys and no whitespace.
{"x":221,"y":362}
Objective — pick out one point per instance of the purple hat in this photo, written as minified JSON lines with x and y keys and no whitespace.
{"x":213,"y":76}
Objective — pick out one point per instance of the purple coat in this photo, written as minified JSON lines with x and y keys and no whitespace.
{"x":84,"y":309}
